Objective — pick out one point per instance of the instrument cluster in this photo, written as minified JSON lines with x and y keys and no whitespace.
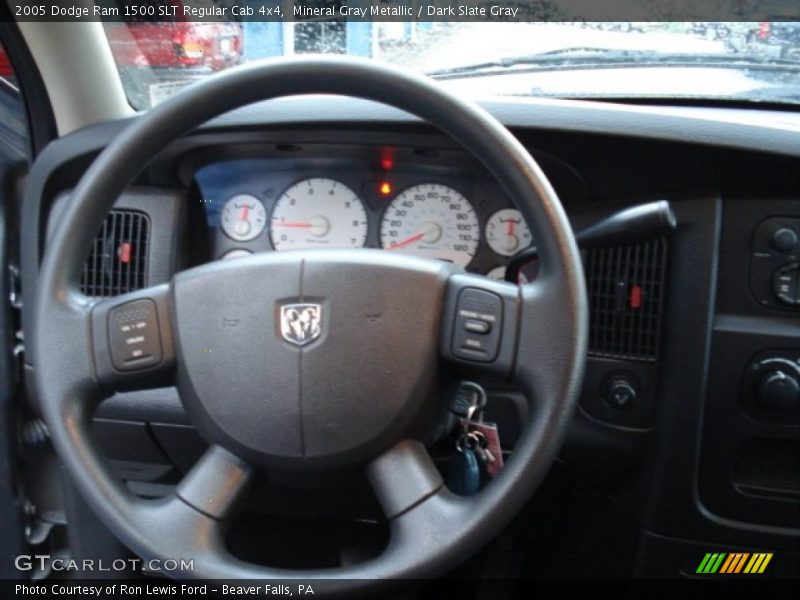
{"x":257,"y":205}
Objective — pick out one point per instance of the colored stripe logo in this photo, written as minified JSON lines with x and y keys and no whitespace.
{"x":734,"y":563}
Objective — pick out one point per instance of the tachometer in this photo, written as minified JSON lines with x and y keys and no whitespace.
{"x":507,"y":233}
{"x":243,"y":218}
{"x":318,"y":213}
{"x":431,"y":220}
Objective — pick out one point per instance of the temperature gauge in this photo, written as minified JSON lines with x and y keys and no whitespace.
{"x":507,"y":233}
{"x":243,"y":218}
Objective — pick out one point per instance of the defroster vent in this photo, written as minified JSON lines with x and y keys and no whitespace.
{"x":626,"y":286}
{"x":117,"y":261}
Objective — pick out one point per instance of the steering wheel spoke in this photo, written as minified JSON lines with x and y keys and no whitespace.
{"x":514,"y":331}
{"x":421,"y":509}
{"x":479,"y":324}
{"x":216,"y":484}
{"x":132,"y":341}
{"x":403,"y":477}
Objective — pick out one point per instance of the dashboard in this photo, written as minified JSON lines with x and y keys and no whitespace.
{"x":691,"y":432}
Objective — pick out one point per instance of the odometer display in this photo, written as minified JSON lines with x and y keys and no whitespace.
{"x":434,"y":221}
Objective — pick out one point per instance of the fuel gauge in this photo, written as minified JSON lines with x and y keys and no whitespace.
{"x":243,"y":218}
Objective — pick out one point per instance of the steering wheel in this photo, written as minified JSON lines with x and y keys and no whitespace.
{"x":341,"y":347}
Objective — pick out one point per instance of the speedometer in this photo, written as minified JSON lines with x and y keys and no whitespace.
{"x":318,"y":213}
{"x":431,"y":220}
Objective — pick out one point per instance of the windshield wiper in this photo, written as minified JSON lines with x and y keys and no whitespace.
{"x":584,"y":57}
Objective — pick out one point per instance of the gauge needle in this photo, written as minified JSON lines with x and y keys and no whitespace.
{"x":510,"y":227}
{"x":291,"y":224}
{"x":245,"y":211}
{"x":407,"y":241}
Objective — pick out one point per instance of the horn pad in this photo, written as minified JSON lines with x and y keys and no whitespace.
{"x":309,"y":359}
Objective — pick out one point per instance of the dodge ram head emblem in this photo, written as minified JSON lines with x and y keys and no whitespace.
{"x":301,"y":323}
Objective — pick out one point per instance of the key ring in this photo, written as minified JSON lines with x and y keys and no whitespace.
{"x":469,"y":441}
{"x":480,"y":394}
{"x":471,"y":410}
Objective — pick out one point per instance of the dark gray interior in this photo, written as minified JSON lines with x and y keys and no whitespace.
{"x":699,"y":454}
{"x":314,"y":401}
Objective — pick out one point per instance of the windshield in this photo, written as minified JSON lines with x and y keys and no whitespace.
{"x":718,"y":61}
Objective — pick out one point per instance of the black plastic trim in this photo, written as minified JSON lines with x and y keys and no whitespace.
{"x":41,"y":129}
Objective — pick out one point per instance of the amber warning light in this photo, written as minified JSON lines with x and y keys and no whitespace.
{"x":385,"y":189}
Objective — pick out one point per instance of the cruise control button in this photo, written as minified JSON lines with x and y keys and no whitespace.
{"x":475,"y":326}
{"x":134,"y":337}
{"x":478,"y":322}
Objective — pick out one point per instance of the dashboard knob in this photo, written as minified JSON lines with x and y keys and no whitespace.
{"x":784,"y":239}
{"x":779,"y":391}
{"x":620,"y":392}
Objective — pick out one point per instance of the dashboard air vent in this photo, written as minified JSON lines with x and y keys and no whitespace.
{"x":117,"y":261}
{"x":626,"y":286}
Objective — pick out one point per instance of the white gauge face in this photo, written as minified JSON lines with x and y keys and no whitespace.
{"x":431,"y":220}
{"x":507,"y":233}
{"x":236,"y":253}
{"x":318,"y":213}
{"x":497,"y":273}
{"x":526,"y":274}
{"x":243,"y":218}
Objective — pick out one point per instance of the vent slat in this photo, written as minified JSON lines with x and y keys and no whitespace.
{"x":608,"y":294}
{"x":137,"y":246}
{"x":108,"y":261}
{"x":617,"y":279}
{"x":117,"y":261}
{"x":633,"y":319}
{"x":639,"y":265}
{"x":126,"y":266}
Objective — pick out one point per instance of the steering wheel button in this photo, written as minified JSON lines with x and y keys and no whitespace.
{"x":476,"y":326}
{"x":133,"y":335}
{"x":478,"y":323}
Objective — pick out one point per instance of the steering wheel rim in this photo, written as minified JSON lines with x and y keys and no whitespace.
{"x":431,"y":528}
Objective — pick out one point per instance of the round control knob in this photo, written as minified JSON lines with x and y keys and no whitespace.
{"x":779,"y":391}
{"x":619,"y":392}
{"x":783,"y":239}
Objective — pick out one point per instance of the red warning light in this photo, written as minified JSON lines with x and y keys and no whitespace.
{"x":386,"y":158}
{"x":385,"y":188}
{"x":124,"y":252}
{"x":636,"y":297}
